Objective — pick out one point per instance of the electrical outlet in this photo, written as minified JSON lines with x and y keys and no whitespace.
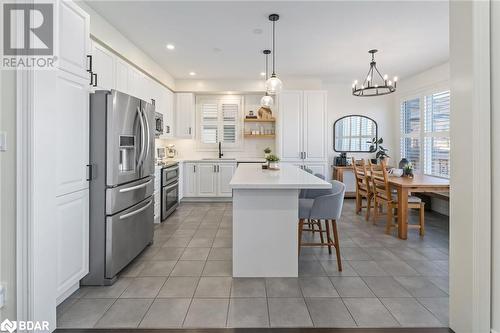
{"x":2,"y":296}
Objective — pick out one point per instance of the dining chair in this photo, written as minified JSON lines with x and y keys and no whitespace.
{"x":327,"y":208}
{"x":311,"y":194}
{"x":363,"y":187}
{"x":384,"y":196}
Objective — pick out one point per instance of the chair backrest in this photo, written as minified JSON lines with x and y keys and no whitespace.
{"x":329,"y":206}
{"x":380,"y":180}
{"x":360,"y":174}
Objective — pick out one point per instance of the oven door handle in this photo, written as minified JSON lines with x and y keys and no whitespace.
{"x":170,"y":186}
{"x":135,"y":212}
{"x":174,"y":168}
{"x":132,"y":188}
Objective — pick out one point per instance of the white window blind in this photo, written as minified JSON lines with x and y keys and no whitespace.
{"x":437,"y":135}
{"x":425,"y":136}
{"x":229,"y":119}
{"x":219,"y":118}
{"x":410,"y":132}
{"x":209,"y":122}
{"x":356,"y":133}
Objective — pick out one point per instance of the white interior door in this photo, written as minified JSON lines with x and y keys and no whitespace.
{"x":207,"y":180}
{"x":314,"y":117}
{"x":224,"y":174}
{"x":72,"y":130}
{"x":290,"y":121}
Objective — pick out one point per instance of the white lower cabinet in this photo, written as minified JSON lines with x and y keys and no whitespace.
{"x":72,"y":220}
{"x":208,"y":179}
{"x":225,"y":172}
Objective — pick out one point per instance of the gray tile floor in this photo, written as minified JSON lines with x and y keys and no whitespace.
{"x":184,"y":280}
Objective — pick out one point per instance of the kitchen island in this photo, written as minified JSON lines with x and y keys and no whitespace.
{"x":265,"y":219}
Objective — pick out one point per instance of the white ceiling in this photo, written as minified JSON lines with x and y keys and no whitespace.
{"x":329,"y":40}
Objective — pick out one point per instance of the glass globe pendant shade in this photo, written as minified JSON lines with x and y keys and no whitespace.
{"x":266,"y":101}
{"x":274,"y":85}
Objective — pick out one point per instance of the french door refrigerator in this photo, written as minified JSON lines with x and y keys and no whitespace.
{"x":121,"y":183}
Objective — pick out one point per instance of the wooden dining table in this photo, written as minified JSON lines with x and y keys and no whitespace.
{"x":417,"y":184}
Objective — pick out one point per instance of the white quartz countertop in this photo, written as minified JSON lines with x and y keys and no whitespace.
{"x":252,"y":176}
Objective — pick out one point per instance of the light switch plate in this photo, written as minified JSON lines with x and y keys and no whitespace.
{"x":3,"y":141}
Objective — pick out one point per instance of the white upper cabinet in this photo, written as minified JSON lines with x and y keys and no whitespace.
{"x":103,"y":64}
{"x":74,"y":39}
{"x":302,"y":126}
{"x":72,"y":142}
{"x":168,"y":115}
{"x":121,"y":75}
{"x":185,"y":113}
{"x":314,"y":118}
{"x":290,"y":122}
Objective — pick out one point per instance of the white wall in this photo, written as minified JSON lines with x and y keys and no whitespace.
{"x":495,"y":99}
{"x":109,"y":35}
{"x":8,"y":193}
{"x":341,"y":103}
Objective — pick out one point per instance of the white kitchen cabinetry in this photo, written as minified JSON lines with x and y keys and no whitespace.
{"x":121,"y":75}
{"x":185,"y":113}
{"x":225,"y":172}
{"x":103,"y":64}
{"x":168,"y":115}
{"x":302,"y":129}
{"x":71,"y":149}
{"x":74,"y":39}
{"x":190,"y":181}
{"x":208,"y":179}
{"x":72,"y":217}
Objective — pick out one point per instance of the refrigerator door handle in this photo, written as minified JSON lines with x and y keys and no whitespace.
{"x":143,"y":137}
{"x":132,"y":188}
{"x":135,"y":212}
{"x":148,"y":133}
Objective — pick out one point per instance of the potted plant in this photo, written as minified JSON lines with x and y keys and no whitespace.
{"x":267,"y":152}
{"x":272,"y":161}
{"x":408,"y":170}
{"x":376,"y":146}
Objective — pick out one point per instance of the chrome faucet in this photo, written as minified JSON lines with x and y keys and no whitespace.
{"x":220,"y":150}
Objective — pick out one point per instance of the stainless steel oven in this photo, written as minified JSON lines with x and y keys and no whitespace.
{"x":169,"y":190}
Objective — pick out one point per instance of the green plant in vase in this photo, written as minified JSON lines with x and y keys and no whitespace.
{"x":272,"y":161}
{"x":376,"y":146}
{"x":408,"y":170}
{"x":267,"y":152}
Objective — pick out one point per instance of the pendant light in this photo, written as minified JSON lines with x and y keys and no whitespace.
{"x":374,"y":84}
{"x":266,"y":101}
{"x":274,"y":84}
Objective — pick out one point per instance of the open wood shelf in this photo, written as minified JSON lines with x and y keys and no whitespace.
{"x":261,"y":136}
{"x":257,"y":120}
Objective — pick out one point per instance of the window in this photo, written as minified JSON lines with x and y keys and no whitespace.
{"x":425,"y":133}
{"x":218,"y":121}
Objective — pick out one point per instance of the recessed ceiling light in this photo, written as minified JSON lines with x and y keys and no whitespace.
{"x":192,"y":73}
{"x":262,"y":73}
{"x":170,"y":46}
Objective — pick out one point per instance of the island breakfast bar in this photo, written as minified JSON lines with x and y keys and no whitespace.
{"x":265,"y":219}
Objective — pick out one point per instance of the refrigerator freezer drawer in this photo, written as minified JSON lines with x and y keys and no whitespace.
{"x":123,"y":196}
{"x":127,"y":234}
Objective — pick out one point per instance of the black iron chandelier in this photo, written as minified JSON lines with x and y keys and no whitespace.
{"x":374,"y":84}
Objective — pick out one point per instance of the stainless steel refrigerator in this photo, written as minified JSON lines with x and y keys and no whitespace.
{"x":122,"y":183}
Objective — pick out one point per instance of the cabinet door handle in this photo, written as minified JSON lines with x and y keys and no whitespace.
{"x":91,"y":79}
{"x":167,"y":128}
{"x":218,"y":169}
{"x":305,"y":155}
{"x":194,"y":168}
{"x":189,"y":130}
{"x":94,"y":75}
{"x":89,"y":172}
{"x":215,"y":168}
{"x":89,"y":69}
